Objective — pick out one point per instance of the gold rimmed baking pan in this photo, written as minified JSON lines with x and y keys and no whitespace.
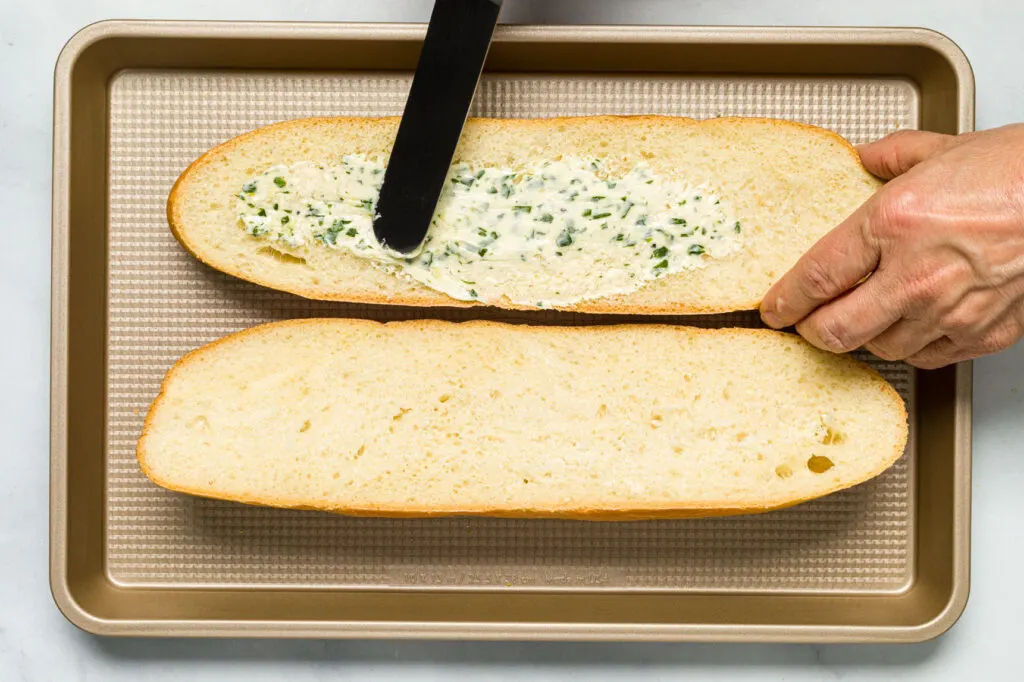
{"x":135,"y":102}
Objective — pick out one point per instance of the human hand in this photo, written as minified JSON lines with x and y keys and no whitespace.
{"x":930,"y":269}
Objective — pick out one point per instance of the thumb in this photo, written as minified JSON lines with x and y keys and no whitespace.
{"x":897,"y":153}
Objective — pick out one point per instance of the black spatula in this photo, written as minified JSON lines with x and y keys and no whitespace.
{"x":453,"y":54}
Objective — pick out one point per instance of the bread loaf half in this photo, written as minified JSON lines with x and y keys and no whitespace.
{"x":434,"y":418}
{"x":785,"y":184}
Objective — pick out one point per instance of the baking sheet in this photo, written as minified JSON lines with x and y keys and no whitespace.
{"x":137,"y":101}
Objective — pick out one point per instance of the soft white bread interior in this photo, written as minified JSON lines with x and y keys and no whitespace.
{"x":434,"y":418}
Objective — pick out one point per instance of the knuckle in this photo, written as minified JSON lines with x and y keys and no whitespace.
{"x":971,"y":314}
{"x":997,"y":340}
{"x":958,"y":320}
{"x":920,"y":286}
{"x":896,"y":211}
{"x":834,"y":335}
{"x":939,"y":285}
{"x":818,"y":282}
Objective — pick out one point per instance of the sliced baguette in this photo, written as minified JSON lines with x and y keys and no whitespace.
{"x":789,"y":183}
{"x":430,"y":418}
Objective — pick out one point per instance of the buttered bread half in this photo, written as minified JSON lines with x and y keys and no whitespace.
{"x":646,"y":214}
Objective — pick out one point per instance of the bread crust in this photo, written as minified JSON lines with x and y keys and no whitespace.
{"x":675,"y":510}
{"x":616,"y":304}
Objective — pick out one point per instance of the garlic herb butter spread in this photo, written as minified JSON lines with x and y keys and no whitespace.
{"x":548,"y":235}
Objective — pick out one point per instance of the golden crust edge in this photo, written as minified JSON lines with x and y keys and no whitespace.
{"x":438,"y":300}
{"x":666,"y":511}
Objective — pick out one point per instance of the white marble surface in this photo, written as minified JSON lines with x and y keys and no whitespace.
{"x":36,"y":643}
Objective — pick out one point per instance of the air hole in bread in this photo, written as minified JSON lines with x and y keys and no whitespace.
{"x":783,"y":471}
{"x":819,"y":464}
{"x":280,"y":256}
{"x":833,"y":437}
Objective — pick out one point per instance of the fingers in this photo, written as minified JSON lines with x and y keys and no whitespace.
{"x":897,"y":153}
{"x":903,"y":339}
{"x":833,"y":266}
{"x":852,"y":320}
{"x":948,"y":350}
{"x":938,"y":353}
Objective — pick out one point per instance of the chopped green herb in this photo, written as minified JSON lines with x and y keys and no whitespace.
{"x":483,"y":252}
{"x":586,"y":213}
{"x":285,"y":219}
{"x":330,"y":235}
{"x":662,"y":265}
{"x":597,"y":198}
{"x":522,"y":209}
{"x":351,"y":232}
{"x":695,"y":249}
{"x":547,"y":218}
{"x":481,"y":231}
{"x":565,"y":238}
{"x":367,"y":204}
{"x":249,"y":187}
{"x":620,"y":237}
{"x":472,"y":292}
{"x":736,"y":227}
{"x":492,"y":190}
{"x":660,"y":252}
{"x":279,"y":181}
{"x":598,"y":216}
{"x":679,"y":221}
{"x":263,"y":213}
